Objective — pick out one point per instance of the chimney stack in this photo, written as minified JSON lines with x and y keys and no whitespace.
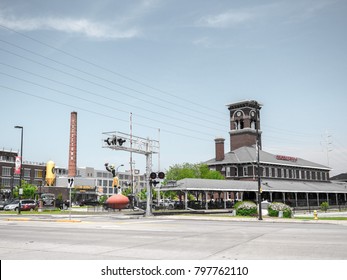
{"x":219,"y":148}
{"x":73,"y":146}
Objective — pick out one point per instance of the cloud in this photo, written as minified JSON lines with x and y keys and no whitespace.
{"x":81,"y":26}
{"x":227,"y":19}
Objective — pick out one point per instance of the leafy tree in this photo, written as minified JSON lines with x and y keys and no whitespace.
{"x":103,"y":199}
{"x":126,"y":191}
{"x":189,"y":170}
{"x":29,"y":190}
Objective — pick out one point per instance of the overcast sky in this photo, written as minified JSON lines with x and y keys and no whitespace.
{"x":175,"y":65}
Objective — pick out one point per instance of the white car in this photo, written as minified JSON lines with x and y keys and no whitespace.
{"x":12,"y":206}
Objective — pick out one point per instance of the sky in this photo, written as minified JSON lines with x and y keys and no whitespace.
{"x":173,"y":65}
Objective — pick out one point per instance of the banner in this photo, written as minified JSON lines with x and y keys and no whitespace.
{"x":18,"y":166}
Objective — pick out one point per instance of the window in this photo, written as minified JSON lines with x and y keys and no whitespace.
{"x":38,"y":173}
{"x":228,"y":171}
{"x":6,"y":171}
{"x":245,"y":171}
{"x":27,"y":172}
{"x":6,"y":182}
{"x":323,"y":176}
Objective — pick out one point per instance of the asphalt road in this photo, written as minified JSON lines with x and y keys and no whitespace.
{"x":165,"y":238}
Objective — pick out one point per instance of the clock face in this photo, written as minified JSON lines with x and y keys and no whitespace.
{"x":252,"y":114}
{"x":238,"y":114}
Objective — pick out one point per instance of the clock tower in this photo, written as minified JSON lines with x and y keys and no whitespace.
{"x":244,"y":124}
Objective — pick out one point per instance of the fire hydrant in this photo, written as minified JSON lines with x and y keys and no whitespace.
{"x":315,"y":215}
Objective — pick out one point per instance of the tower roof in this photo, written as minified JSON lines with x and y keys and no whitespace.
{"x":244,"y":103}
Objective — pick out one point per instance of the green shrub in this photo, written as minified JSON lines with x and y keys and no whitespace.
{"x":246,"y":208}
{"x":276,"y":207}
{"x":324,"y":206}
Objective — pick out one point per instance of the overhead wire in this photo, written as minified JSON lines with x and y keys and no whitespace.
{"x":277,"y":130}
{"x":109,"y":70}
{"x":98,"y":84}
{"x":114,"y":83}
{"x":97,"y":113}
{"x":97,"y":103}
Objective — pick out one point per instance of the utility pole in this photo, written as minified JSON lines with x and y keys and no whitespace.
{"x":258,"y":158}
{"x":328,"y":145}
{"x":20,"y":191}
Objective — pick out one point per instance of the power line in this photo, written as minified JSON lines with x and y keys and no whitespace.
{"x":97,"y":103}
{"x":112,"y":82}
{"x":94,"y":83}
{"x":109,"y":70}
{"x":104,"y":115}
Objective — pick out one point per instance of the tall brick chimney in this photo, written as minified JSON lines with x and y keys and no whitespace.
{"x":219,"y":148}
{"x":73,"y":146}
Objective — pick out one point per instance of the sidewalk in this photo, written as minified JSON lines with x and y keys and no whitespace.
{"x":77,"y":218}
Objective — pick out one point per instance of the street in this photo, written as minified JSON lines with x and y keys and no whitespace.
{"x":165,"y":238}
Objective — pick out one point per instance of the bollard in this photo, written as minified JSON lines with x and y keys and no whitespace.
{"x":315,"y":215}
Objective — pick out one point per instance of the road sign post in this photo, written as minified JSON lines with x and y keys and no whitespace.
{"x":70,"y":186}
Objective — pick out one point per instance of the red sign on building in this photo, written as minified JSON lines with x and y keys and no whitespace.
{"x":293,"y":159}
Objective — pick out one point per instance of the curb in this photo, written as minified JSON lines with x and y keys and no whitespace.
{"x":41,"y":220}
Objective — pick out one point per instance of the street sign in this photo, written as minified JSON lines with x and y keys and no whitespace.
{"x":70,"y":182}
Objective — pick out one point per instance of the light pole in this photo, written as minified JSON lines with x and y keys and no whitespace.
{"x":21,"y":167}
{"x":258,"y":156}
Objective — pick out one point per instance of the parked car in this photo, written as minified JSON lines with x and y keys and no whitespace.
{"x":163,"y":204}
{"x":26,"y":205}
{"x":3,"y":203}
{"x":48,"y":199}
{"x":62,"y":204}
{"x":90,"y":202}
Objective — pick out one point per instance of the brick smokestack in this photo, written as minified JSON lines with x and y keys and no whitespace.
{"x":219,"y":149}
{"x":73,"y":146}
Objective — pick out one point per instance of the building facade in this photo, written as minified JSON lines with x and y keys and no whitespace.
{"x":33,"y":173}
{"x":284,"y":178}
{"x":291,"y":180}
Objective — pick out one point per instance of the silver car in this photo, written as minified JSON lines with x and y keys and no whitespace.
{"x":12,"y":206}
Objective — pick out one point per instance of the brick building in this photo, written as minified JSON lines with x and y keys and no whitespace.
{"x":33,"y":173}
{"x":292,"y":180}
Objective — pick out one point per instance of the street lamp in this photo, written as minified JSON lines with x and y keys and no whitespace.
{"x":118,"y":167}
{"x":21,"y":167}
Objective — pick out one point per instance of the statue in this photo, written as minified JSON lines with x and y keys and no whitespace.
{"x":116,"y":201}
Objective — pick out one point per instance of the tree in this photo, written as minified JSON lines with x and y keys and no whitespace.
{"x":29,"y":190}
{"x":188,"y":170}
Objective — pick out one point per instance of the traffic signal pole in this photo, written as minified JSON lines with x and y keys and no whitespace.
{"x":127,"y":142}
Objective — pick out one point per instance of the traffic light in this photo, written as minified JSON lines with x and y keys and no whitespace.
{"x":120,"y":141}
{"x":113,"y":141}
{"x":153,"y":176}
{"x":161,"y":175}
